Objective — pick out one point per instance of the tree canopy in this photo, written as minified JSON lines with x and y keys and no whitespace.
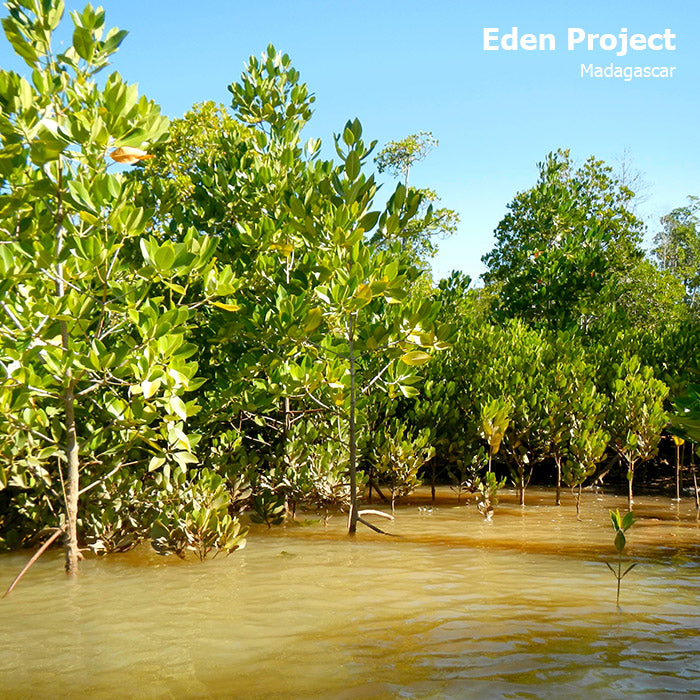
{"x":565,"y":245}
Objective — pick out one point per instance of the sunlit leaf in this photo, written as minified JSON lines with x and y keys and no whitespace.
{"x":128,"y":155}
{"x":225,"y":307}
{"x":415,"y":357}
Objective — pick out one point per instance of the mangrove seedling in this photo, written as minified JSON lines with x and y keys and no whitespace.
{"x":495,"y":420}
{"x":620,"y":525}
{"x":487,"y":489}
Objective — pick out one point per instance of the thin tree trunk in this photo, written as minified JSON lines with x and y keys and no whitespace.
{"x":72,"y":482}
{"x":678,"y":472}
{"x":521,"y":471}
{"x":353,"y":516}
{"x":380,"y":493}
{"x":558,"y":461}
{"x":695,"y":479}
{"x":578,"y":502}
{"x":630,"y":478}
{"x":432,"y":481}
{"x":72,"y":486}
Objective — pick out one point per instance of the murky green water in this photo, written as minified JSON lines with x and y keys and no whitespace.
{"x":519,"y":607}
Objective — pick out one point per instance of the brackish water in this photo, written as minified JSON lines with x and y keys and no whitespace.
{"x":456,"y":607}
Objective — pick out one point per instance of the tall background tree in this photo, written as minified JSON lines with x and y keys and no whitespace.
{"x":420,"y":233}
{"x":677,"y":247}
{"x":565,"y":245}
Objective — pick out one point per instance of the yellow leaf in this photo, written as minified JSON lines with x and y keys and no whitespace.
{"x":226,"y":307}
{"x":87,"y":217}
{"x":363,"y":296}
{"x":415,"y":357}
{"x":285,"y":248}
{"x":129,"y":155}
{"x":364,"y":291}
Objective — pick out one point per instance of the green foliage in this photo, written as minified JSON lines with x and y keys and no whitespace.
{"x":621,"y":525}
{"x":564,"y":245}
{"x":399,"y":456}
{"x":637,"y":416}
{"x":193,"y":515}
{"x":686,"y":413}
{"x":558,"y":387}
{"x":114,"y":517}
{"x":465,"y":474}
{"x":494,"y":423}
{"x":586,"y":448}
{"x":418,"y":234}
{"x":487,"y":488}
{"x":397,"y":157}
{"x":237,"y":323}
{"x":678,"y":247}
{"x":270,"y":96}
{"x":312,"y":471}
{"x":93,"y":329}
{"x":269,"y":508}
{"x":575,"y":410}
{"x":647,"y":299}
{"x":324,"y":316}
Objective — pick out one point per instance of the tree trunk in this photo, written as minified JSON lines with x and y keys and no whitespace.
{"x":678,"y":472}
{"x":578,"y":502}
{"x":72,"y":483}
{"x":521,"y":472}
{"x":630,"y":478}
{"x":432,"y":481}
{"x":695,"y":479}
{"x":558,"y":461}
{"x":352,"y":517}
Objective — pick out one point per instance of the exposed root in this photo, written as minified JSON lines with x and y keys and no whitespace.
{"x":374,"y":527}
{"x":378,"y":513}
{"x":38,"y":553}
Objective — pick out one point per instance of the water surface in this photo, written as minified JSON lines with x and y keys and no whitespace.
{"x":521,"y":607}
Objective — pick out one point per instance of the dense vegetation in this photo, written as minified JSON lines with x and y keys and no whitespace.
{"x":234,"y":324}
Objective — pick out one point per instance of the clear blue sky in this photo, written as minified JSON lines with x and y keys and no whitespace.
{"x":403,"y":66}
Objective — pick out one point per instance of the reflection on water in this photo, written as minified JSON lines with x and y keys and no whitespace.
{"x":455,"y":607}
